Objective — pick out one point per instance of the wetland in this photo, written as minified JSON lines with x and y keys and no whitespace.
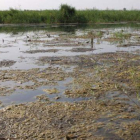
{"x":70,"y":82}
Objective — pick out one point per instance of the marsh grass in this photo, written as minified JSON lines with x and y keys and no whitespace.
{"x":68,"y":14}
{"x":134,"y":77}
{"x":121,"y":35}
{"x":110,"y":15}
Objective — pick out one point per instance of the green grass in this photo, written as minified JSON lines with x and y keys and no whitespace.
{"x":18,"y":16}
{"x":121,"y":35}
{"x":80,"y":16}
{"x":110,"y":15}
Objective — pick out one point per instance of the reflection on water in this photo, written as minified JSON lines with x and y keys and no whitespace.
{"x":92,"y":43}
{"x":22,"y":96}
{"x":15,"y":43}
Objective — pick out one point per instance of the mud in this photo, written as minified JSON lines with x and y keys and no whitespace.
{"x":7,"y":63}
{"x":62,"y":42}
{"x":129,"y":45}
{"x":82,"y":49}
{"x":42,"y":51}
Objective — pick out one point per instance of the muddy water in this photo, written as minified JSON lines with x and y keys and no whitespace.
{"x":25,"y":47}
{"x":14,"y":46}
{"x":70,"y":82}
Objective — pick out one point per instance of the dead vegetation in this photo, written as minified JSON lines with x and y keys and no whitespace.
{"x":107,"y":86}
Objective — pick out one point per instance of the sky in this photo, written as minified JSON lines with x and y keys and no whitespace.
{"x":78,"y":4}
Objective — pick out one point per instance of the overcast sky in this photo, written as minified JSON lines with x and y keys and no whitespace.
{"x":78,"y":4}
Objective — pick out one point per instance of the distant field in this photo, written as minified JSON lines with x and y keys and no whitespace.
{"x":82,"y":16}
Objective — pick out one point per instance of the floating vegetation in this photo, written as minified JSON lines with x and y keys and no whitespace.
{"x":121,"y":35}
{"x":77,"y":93}
{"x":51,"y":91}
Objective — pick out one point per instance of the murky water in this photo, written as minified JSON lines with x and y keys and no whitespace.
{"x":14,"y":46}
{"x":16,"y":42}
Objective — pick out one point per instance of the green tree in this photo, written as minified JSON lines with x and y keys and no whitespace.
{"x":67,"y":14}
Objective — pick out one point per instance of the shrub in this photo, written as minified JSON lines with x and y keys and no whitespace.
{"x":67,"y":14}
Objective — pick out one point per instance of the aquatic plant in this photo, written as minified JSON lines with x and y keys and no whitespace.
{"x":95,"y":16}
{"x":121,"y":35}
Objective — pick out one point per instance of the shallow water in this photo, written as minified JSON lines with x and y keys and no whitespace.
{"x":15,"y":45}
{"x":22,"y":96}
{"x":15,"y":42}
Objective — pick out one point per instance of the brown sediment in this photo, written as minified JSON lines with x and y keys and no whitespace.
{"x":129,"y":45}
{"x":82,"y":49}
{"x":42,"y":51}
{"x":112,"y":39}
{"x":7,"y":63}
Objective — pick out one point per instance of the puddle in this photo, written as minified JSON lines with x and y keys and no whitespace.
{"x":23,"y":96}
